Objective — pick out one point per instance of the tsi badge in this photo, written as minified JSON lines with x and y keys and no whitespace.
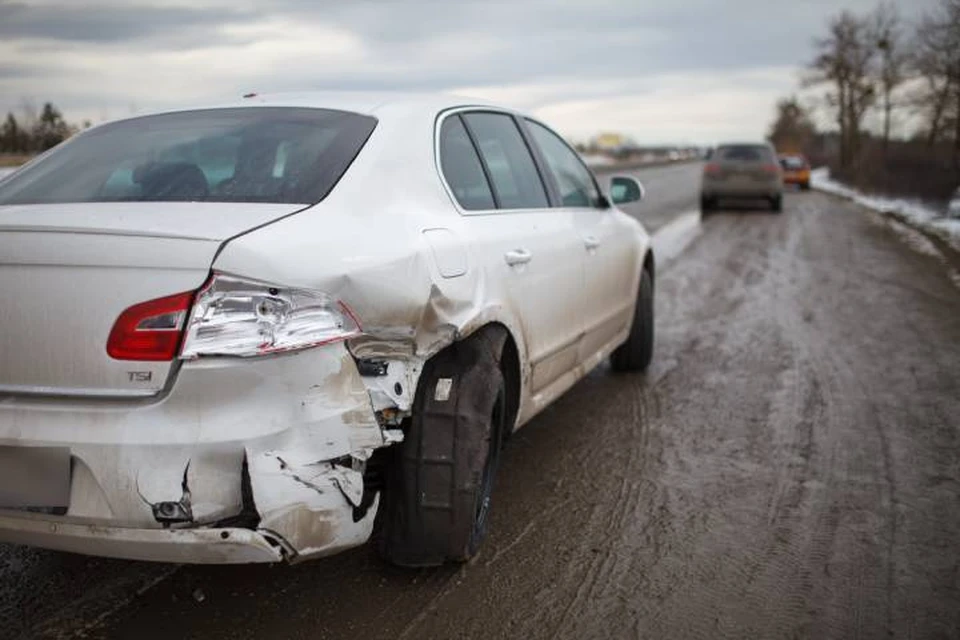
{"x":140,"y":376}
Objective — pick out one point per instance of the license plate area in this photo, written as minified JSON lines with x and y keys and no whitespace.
{"x":34,"y":477}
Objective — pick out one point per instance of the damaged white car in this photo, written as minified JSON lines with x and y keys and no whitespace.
{"x":244,"y":333}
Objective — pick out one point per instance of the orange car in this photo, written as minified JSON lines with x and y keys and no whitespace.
{"x":796,"y":170}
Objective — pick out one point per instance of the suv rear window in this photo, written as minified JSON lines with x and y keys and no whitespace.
{"x":256,"y":154}
{"x":745,"y":153}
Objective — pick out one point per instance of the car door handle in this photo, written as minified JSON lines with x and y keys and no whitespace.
{"x":591,"y":242}
{"x":517,"y":256}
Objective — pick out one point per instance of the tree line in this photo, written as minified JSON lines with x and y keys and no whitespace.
{"x":34,"y":132}
{"x":872,"y":72}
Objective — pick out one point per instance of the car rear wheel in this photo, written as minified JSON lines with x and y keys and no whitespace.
{"x":707,"y":205}
{"x":439,"y":484}
{"x":776,"y":203}
{"x":635,"y":354}
{"x":805,"y":186}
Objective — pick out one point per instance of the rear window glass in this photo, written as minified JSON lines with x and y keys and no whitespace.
{"x":745,"y":153}
{"x":258,"y":154}
{"x":792,"y":162}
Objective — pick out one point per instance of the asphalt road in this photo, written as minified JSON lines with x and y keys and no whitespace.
{"x":788,"y":468}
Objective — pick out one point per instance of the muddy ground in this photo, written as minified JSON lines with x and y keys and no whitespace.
{"x":789,"y":468}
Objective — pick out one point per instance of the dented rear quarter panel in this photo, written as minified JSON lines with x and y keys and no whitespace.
{"x":365,"y":244}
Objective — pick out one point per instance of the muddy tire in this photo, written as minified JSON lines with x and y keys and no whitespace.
{"x":707,"y":205}
{"x":635,"y":354}
{"x":438,"y":486}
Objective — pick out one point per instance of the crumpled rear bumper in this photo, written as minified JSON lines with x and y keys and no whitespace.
{"x":201,"y":546}
{"x":258,"y":461}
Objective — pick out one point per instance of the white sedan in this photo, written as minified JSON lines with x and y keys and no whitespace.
{"x":243,"y":333}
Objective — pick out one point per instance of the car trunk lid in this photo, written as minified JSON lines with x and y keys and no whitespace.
{"x":68,"y":271}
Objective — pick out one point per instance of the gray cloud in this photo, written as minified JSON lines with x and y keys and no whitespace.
{"x":594,"y":48}
{"x":73,"y":22}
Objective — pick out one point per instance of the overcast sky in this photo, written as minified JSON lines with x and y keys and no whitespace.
{"x":694,"y":71}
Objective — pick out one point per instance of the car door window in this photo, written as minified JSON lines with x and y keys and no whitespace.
{"x":512,"y":170}
{"x":576,"y":184}
{"x":461,"y":167}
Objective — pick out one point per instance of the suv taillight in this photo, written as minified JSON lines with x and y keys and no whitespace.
{"x":150,"y":330}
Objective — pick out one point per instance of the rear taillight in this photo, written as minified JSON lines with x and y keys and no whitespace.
{"x":712,"y":169}
{"x":150,"y":330}
{"x":770,"y":168}
{"x":240,"y":317}
{"x":230,"y":316}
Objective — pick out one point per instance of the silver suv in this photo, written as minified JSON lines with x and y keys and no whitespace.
{"x":742,"y":171}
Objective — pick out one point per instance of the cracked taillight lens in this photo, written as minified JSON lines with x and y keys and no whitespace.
{"x":238,"y":317}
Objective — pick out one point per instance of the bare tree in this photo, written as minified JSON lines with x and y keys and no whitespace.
{"x":792,"y":130}
{"x":843,"y":62}
{"x":887,"y":32}
{"x":937,"y":62}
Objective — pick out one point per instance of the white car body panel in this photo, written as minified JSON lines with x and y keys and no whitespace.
{"x":389,"y":241}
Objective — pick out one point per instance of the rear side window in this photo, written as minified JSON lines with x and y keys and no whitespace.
{"x":461,"y":167}
{"x":515,"y":178}
{"x":257,"y":154}
{"x":577,"y":188}
{"x":745,"y":153}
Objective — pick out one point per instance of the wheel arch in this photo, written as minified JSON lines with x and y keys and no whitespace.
{"x":507,"y":354}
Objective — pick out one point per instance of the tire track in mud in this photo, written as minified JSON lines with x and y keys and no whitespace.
{"x":608,"y":563}
{"x":876,"y":410}
{"x":607,"y":519}
{"x":779,"y":440}
{"x":850,"y":393}
{"x":856,"y":477}
{"x":801,"y":444}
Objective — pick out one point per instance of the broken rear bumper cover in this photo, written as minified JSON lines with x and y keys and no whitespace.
{"x":242,"y":461}
{"x":220,"y":546}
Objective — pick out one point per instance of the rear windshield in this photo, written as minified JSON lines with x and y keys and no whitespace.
{"x":792,"y":162}
{"x":257,"y":154}
{"x":745,"y":153}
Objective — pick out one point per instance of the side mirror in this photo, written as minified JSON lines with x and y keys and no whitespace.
{"x":624,"y":189}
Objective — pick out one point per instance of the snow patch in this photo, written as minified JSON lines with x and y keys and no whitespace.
{"x":5,"y":171}
{"x":914,"y":239}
